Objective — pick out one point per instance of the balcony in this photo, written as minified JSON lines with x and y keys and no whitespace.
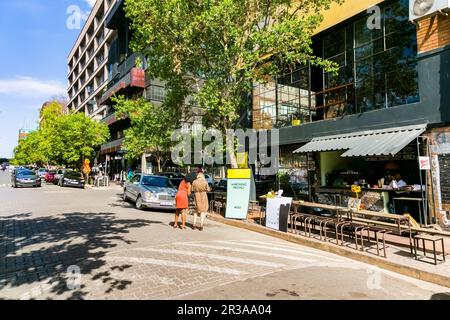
{"x":111,"y":147}
{"x":126,"y":79}
{"x":109,"y":119}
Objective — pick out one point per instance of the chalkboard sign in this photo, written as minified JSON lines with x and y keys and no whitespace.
{"x":444,"y":168}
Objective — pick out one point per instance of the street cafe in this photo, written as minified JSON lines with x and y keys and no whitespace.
{"x":383,"y":164}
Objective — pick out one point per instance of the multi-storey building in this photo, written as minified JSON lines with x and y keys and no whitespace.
{"x":388,"y":105}
{"x":88,"y":69}
{"x":23,"y":134}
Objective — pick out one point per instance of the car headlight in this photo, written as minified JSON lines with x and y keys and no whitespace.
{"x":149,"y":196}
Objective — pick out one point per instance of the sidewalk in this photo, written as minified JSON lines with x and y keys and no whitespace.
{"x":113,"y":186}
{"x":399,"y":259}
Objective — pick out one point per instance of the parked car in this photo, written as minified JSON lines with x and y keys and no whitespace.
{"x":210,"y":180}
{"x":25,"y":178}
{"x":221,"y":185}
{"x":19,"y":169}
{"x":42,"y":172}
{"x":72,"y":179}
{"x":58,"y":176}
{"x":149,"y":191}
{"x":4,"y":166}
{"x":174,"y":177}
{"x":50,"y":176}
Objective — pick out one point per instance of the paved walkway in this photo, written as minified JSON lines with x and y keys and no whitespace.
{"x":58,"y":243}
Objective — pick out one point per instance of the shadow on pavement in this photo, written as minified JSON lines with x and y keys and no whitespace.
{"x":38,"y":251}
{"x":441,"y":296}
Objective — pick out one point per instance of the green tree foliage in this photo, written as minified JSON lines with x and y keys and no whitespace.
{"x":61,"y":139}
{"x":151,"y":129}
{"x":214,"y":50}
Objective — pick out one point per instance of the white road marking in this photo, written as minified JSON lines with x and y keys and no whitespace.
{"x":215,"y":256}
{"x":261,"y":253}
{"x":274,"y":247}
{"x":176,"y":264}
{"x":55,"y":192}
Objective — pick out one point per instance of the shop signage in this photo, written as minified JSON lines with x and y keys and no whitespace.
{"x":277,"y":213}
{"x":425,"y":163}
{"x":238,"y":193}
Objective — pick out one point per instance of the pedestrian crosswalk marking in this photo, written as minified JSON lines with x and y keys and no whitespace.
{"x":261,"y":253}
{"x":215,"y":256}
{"x":269,"y":246}
{"x":176,"y":264}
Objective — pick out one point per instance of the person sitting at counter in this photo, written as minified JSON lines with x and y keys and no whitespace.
{"x":397,"y":182}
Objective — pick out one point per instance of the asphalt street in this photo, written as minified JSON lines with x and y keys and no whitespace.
{"x":62,"y":243}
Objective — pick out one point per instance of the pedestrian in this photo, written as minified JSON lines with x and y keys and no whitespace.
{"x":182,"y":203}
{"x":200,"y":188}
{"x":130,"y":174}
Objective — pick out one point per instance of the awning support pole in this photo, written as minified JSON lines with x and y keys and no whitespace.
{"x":424,"y":204}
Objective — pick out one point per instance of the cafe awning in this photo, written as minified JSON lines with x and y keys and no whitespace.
{"x":384,"y":142}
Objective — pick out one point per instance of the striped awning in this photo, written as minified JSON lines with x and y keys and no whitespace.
{"x":384,"y":142}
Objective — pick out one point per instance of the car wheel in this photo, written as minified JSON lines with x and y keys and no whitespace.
{"x":139,"y":203}
{"x":125,"y":198}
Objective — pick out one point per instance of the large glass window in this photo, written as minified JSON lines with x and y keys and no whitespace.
{"x":380,"y":62}
{"x":377,"y":69}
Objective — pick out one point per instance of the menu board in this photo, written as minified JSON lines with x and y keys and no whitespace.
{"x":444,"y":168}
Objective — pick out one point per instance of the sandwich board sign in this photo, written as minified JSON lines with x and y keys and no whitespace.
{"x":277,"y":213}
{"x":238,"y":193}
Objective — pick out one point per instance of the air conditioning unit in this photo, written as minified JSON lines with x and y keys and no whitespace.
{"x":423,"y":8}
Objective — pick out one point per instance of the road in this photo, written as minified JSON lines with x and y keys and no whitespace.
{"x":58,"y":243}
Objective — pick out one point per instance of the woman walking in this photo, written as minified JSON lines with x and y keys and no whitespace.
{"x":200,"y":188}
{"x":182,"y":203}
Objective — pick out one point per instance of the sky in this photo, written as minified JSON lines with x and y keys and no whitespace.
{"x":35,"y":41}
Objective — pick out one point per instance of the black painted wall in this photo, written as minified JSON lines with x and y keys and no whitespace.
{"x":433,"y":108}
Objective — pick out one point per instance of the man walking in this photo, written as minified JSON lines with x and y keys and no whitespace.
{"x":200,"y":188}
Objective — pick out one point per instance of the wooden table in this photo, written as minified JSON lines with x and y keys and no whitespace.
{"x":401,"y":222}
{"x":315,"y":205}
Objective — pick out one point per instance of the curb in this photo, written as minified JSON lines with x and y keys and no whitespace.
{"x":341,"y":251}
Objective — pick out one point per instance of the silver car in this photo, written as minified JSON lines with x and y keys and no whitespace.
{"x":148,"y":191}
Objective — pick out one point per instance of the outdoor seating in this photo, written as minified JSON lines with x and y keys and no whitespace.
{"x":255,"y":211}
{"x":366,"y":228}
{"x":433,"y":239}
{"x":217,"y":206}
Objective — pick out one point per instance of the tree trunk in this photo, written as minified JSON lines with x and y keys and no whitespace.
{"x":158,"y":160}
{"x":144,"y":163}
{"x":231,"y":152}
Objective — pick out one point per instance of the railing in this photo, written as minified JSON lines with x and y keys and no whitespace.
{"x":123,"y":69}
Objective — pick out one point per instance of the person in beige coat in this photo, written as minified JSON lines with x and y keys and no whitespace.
{"x":200,"y":188}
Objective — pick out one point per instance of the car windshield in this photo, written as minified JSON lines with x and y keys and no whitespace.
{"x":156,"y":182}
{"x":73,"y":175}
{"x":22,"y":173}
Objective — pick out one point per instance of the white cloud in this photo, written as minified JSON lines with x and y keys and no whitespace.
{"x":31,"y":88}
{"x":91,"y":3}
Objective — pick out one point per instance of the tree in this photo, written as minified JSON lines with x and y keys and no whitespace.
{"x":63,"y":139}
{"x":215,"y":50}
{"x":79,"y":136}
{"x":29,"y":151}
{"x":151,"y":129}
